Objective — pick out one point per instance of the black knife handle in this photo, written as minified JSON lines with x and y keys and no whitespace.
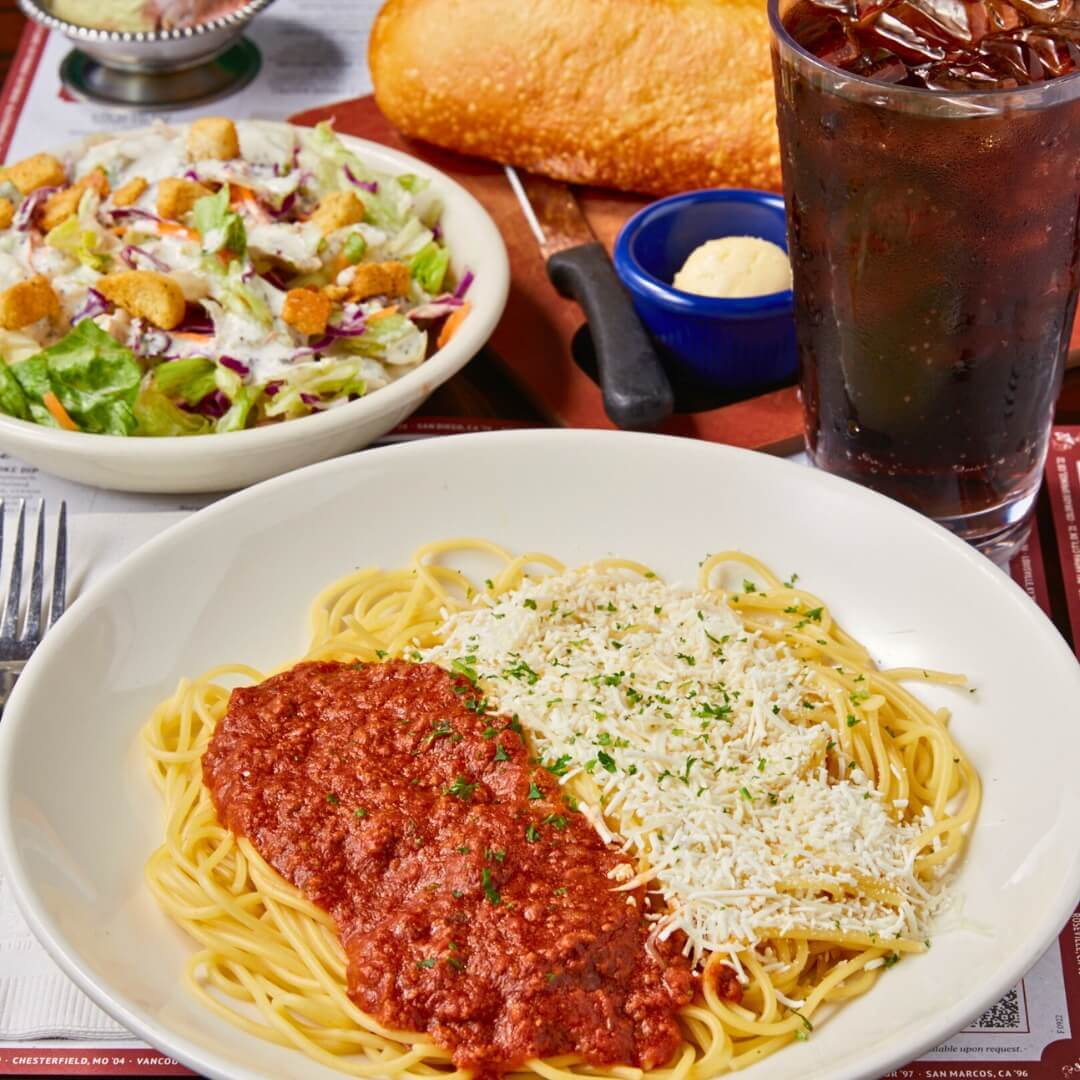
{"x":636,"y":390}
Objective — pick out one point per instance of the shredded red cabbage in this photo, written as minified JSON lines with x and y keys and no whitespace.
{"x":284,"y":209}
{"x":131,"y":250}
{"x":367,"y":185}
{"x":271,"y":388}
{"x":24,"y":218}
{"x":196,"y":321}
{"x":215,"y":405}
{"x":463,"y":285}
{"x":312,"y":400}
{"x":235,"y":365}
{"x":440,"y":306}
{"x":94,"y":305}
{"x":120,"y":212}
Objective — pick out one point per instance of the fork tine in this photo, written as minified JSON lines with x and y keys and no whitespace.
{"x":32,"y":631}
{"x":11,"y":608}
{"x":59,"y":585}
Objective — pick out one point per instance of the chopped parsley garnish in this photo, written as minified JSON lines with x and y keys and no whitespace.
{"x":457,"y":894}
{"x":464,"y":849}
{"x":382,"y":654}
{"x":615,"y":679}
{"x":465,"y":666}
{"x":560,"y":891}
{"x":495,"y":855}
{"x":761,"y":765}
{"x":891,"y":959}
{"x":455,"y":963}
{"x":748,"y":586}
{"x":360,"y":812}
{"x":514,"y":724}
{"x":489,"y":732}
{"x":852,"y":720}
{"x":815,"y":614}
{"x":534,"y":791}
{"x":532,"y":834}
{"x":440,"y":729}
{"x":746,"y":794}
{"x":688,"y":660}
{"x":332,"y":799}
{"x":632,"y":695}
{"x":551,"y":976}
{"x":555,"y":820}
{"x":571,"y":802}
{"x":489,"y":889}
{"x":606,"y":760}
{"x":806,"y":1023}
{"x":430,"y":962}
{"x":529,"y":604}
{"x":521,"y":670}
{"x":500,"y":753}
{"x":560,"y":766}
{"x":460,"y":788}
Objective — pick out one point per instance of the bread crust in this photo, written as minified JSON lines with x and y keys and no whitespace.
{"x":655,"y":96}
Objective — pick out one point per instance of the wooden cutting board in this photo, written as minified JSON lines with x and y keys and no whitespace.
{"x":535,"y":337}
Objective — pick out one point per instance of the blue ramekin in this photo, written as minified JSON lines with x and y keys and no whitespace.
{"x":739,"y":343}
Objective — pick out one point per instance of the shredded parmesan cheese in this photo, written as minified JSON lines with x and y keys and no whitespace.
{"x":701,"y":739}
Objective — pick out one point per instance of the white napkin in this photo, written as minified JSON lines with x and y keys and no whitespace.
{"x":37,"y":1001}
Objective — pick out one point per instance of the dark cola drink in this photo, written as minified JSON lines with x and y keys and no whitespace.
{"x":931,"y":158}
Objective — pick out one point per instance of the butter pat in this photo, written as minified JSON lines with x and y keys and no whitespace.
{"x":735,"y":266}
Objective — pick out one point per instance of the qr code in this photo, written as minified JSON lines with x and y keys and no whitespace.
{"x":1009,"y":1014}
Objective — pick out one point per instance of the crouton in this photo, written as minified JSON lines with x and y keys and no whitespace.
{"x":145,"y":294}
{"x":212,"y":138}
{"x":41,"y":170}
{"x":7,"y":213}
{"x":97,"y":180}
{"x":307,"y":311}
{"x":335,"y":293}
{"x":59,"y":207}
{"x":379,"y":279}
{"x":26,"y":302}
{"x":176,"y":198}
{"x":336,"y":210}
{"x":129,"y":193}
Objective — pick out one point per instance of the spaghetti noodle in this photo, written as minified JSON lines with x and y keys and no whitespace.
{"x":271,"y":962}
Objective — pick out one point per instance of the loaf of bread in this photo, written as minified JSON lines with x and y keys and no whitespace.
{"x":652,"y":96}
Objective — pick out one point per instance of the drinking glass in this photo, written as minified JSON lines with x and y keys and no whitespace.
{"x":935,"y":243}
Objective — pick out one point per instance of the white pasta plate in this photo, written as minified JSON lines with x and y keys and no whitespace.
{"x":218,"y":463}
{"x":79,"y":815}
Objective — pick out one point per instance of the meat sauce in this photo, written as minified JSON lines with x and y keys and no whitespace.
{"x":474,"y":901}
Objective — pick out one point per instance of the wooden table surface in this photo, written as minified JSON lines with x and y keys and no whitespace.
{"x":482,"y":389}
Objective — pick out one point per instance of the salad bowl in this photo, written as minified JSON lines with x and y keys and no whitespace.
{"x":277,"y":436}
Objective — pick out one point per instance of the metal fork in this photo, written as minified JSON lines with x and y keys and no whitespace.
{"x":15,"y":649}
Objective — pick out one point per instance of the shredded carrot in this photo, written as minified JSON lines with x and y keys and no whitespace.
{"x":452,"y":324}
{"x":59,"y":413}
{"x":191,"y":335}
{"x":169,"y":228}
{"x":375,"y":316}
{"x":240,"y":194}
